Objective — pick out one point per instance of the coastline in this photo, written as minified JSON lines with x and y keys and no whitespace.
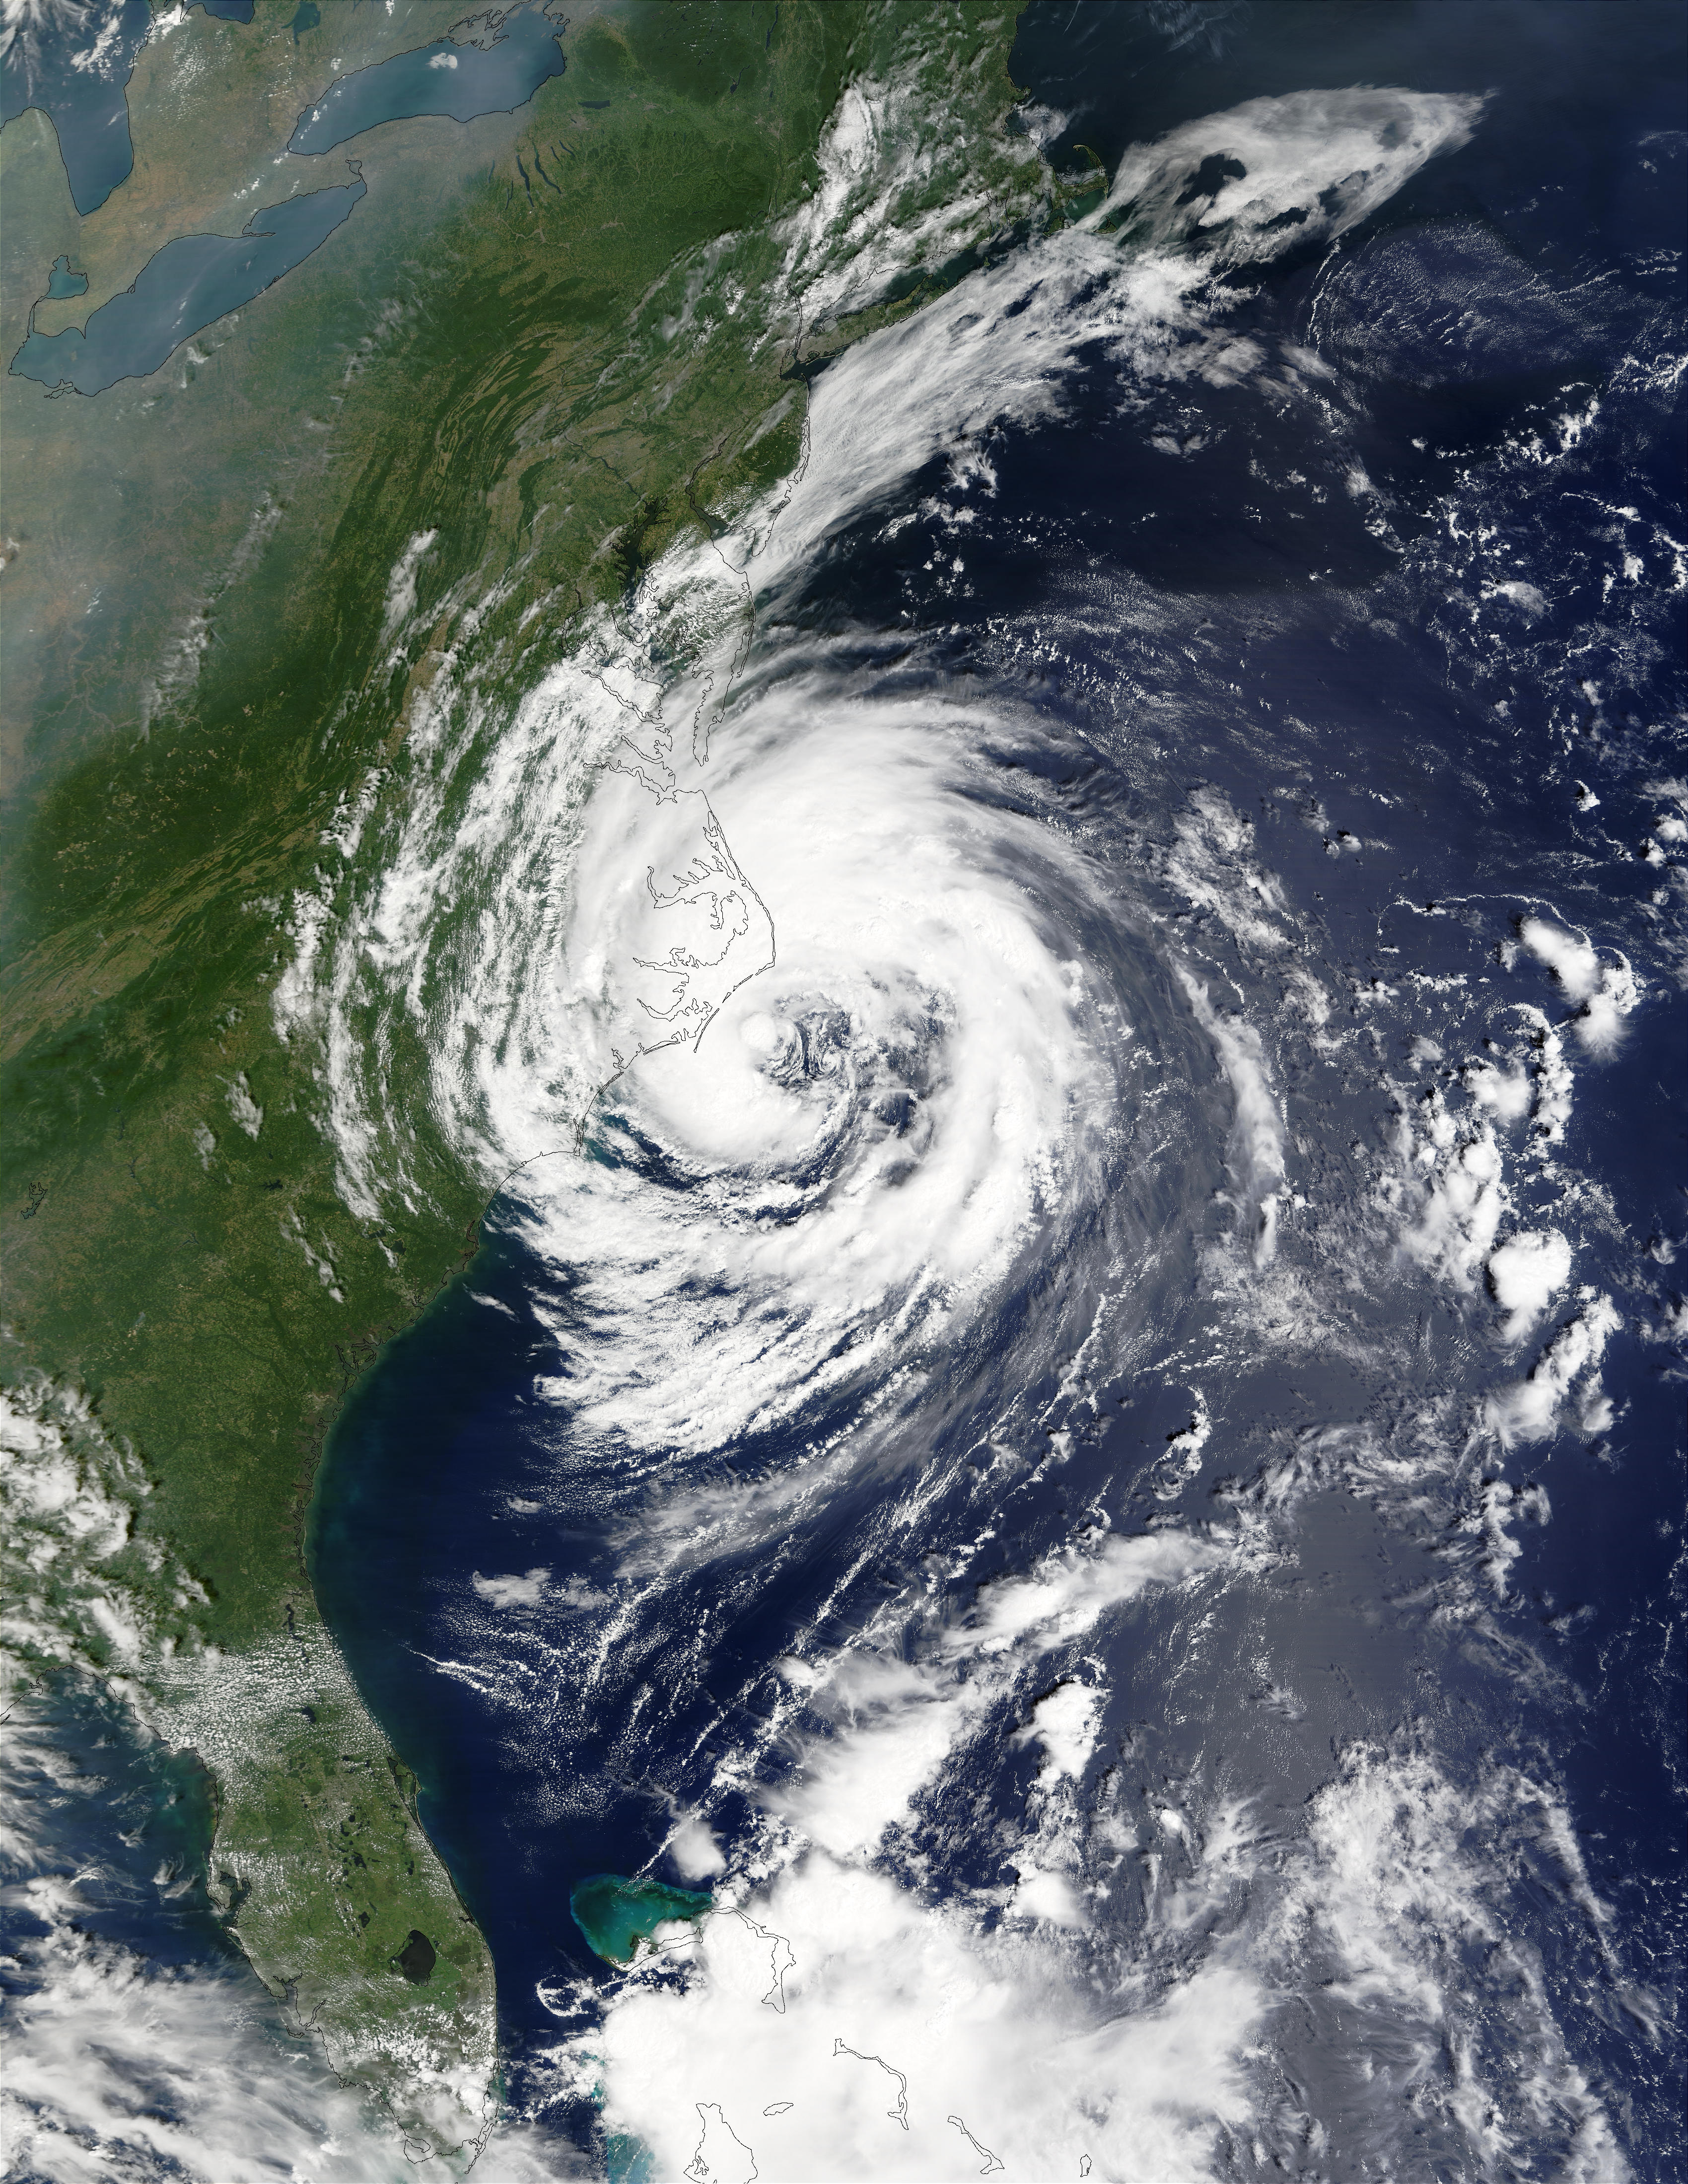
{"x":187,"y":1261}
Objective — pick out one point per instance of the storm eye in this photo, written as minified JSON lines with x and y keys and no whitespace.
{"x":769,"y":1038}
{"x":896,"y":1110}
{"x":793,"y":1050}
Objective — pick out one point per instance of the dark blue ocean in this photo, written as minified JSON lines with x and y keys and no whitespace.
{"x":1182,"y":596}
{"x":1348,"y":676}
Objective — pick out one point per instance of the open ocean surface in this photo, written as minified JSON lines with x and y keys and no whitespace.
{"x":1106,"y":1460}
{"x":1183,"y":616}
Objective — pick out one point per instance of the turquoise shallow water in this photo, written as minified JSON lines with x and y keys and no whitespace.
{"x":616,"y":1914}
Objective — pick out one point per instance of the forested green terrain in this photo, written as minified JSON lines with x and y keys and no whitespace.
{"x":546,"y":344}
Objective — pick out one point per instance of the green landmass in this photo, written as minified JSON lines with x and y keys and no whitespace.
{"x":619,"y":1917}
{"x":556,"y":341}
{"x":191,"y":179}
